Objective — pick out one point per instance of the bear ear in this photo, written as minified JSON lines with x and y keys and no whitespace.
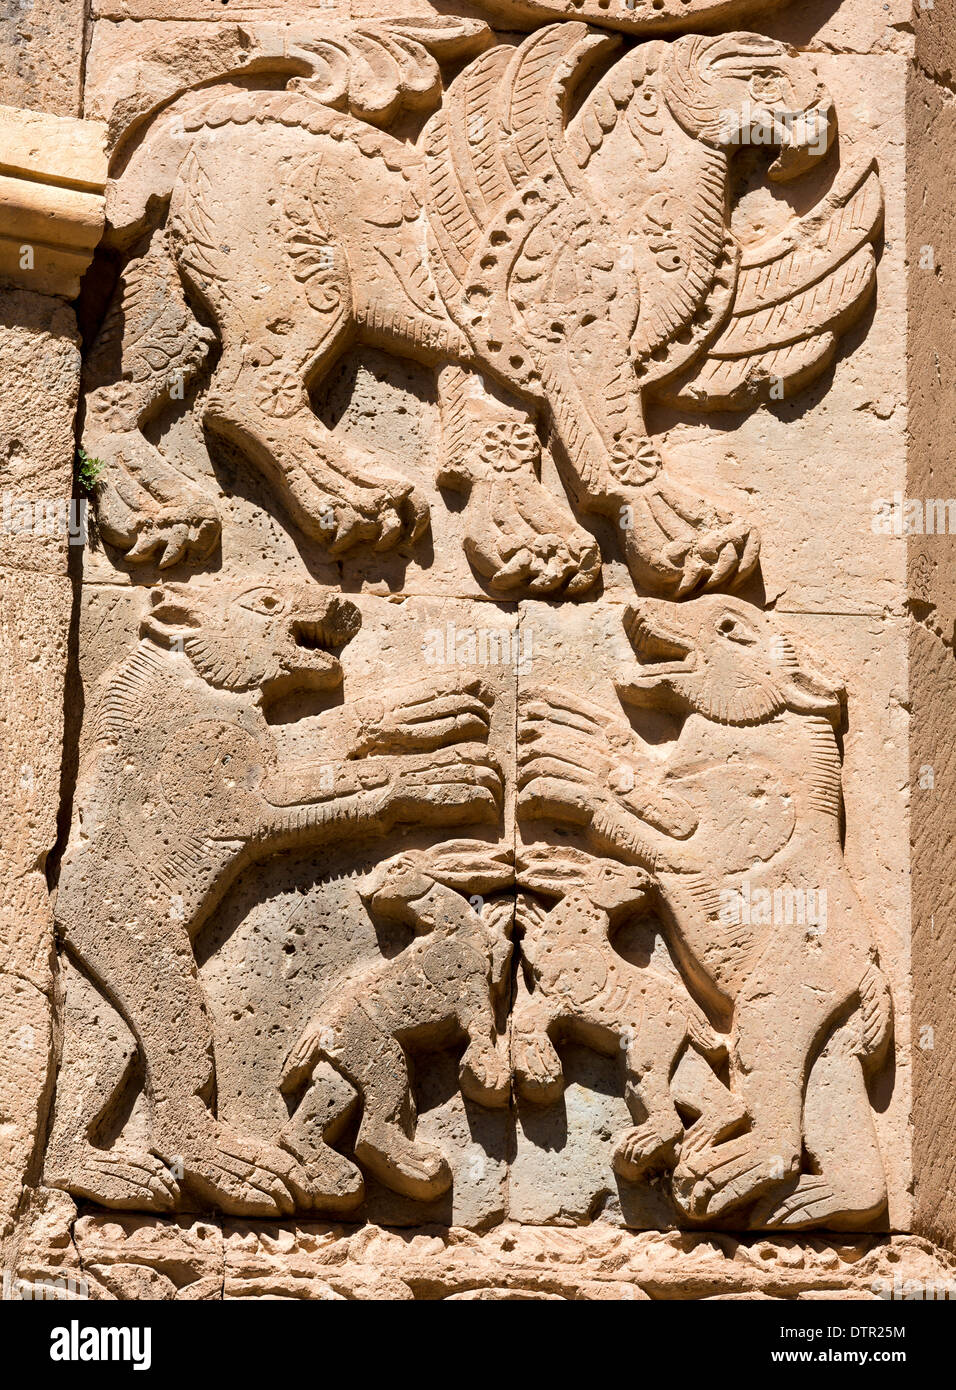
{"x":172,"y":611}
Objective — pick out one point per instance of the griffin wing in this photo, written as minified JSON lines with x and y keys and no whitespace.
{"x":795,"y":296}
{"x":500,"y":128}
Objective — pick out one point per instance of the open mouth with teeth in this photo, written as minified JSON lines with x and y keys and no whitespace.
{"x":336,"y":626}
{"x":314,"y":636}
{"x":661,"y":650}
{"x":316,"y":639}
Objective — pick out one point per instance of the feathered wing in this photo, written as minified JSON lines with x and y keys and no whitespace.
{"x":795,"y":296}
{"x":521,"y":256}
{"x":499,"y":130}
{"x":465,"y":173}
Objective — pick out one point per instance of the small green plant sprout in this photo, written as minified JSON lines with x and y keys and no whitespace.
{"x":88,"y":469}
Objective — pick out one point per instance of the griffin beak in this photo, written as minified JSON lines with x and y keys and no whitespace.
{"x":805,"y":136}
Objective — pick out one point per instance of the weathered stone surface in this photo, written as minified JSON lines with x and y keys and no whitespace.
{"x":507,"y":691}
{"x":41,"y":55}
{"x":141,"y":1257}
{"x":52,"y":177}
{"x":39,"y":367}
{"x":932,"y":602}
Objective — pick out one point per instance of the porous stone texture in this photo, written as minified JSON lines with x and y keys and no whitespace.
{"x":41,"y":55}
{"x":53,"y":174}
{"x":505,"y":855}
{"x":128,"y":1257}
{"x":932,"y":603}
{"x":40,"y":370}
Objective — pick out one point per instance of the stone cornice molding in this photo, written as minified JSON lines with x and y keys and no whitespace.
{"x":52,"y":209}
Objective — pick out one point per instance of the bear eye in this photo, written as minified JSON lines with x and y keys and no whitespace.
{"x":732,"y":628}
{"x":264,"y":601}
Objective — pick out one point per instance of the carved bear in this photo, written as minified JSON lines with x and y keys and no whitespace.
{"x":745,"y":807}
{"x":441,"y":987}
{"x":180,"y":788}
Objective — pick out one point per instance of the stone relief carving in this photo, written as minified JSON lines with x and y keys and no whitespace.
{"x":553,"y":237}
{"x":507,"y":247}
{"x":181,"y":788}
{"x":578,"y":985}
{"x":442,"y":985}
{"x":745,"y":810}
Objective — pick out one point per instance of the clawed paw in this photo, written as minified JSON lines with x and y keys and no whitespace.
{"x":647,"y":1146}
{"x":377,"y":516}
{"x":245,"y":1176}
{"x":186,"y":529}
{"x":484,"y":1076}
{"x":677,"y":544}
{"x":539,"y":1076}
{"x":518,"y":536}
{"x":545,"y":564}
{"x":451,"y":782}
{"x":122,"y":1179}
{"x":722,"y":553}
{"x":709,"y":1181}
{"x":425,"y":715}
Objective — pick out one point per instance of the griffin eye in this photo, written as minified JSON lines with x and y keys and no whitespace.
{"x":765,"y":87}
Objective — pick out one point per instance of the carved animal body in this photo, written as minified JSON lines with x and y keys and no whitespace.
{"x":179,"y":789}
{"x":748,"y":803}
{"x":580,"y":988}
{"x":440,"y":988}
{"x":564,"y":269}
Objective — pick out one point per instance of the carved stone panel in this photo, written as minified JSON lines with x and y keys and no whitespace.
{"x":493,"y":758}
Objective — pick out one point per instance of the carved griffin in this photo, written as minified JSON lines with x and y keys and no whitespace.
{"x":556,"y":245}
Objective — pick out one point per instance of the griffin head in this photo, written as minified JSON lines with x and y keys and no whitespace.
{"x":274,"y":639}
{"x":731,"y":90}
{"x":723,"y":659}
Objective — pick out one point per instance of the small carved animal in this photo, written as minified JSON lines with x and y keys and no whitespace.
{"x":180,"y":788}
{"x":579,"y":988}
{"x":744,"y":809}
{"x":442,"y":987}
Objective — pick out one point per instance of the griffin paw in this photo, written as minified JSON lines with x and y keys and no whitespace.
{"x":379,"y":516}
{"x":676,"y":543}
{"x":185,"y":528}
{"x":518,"y":537}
